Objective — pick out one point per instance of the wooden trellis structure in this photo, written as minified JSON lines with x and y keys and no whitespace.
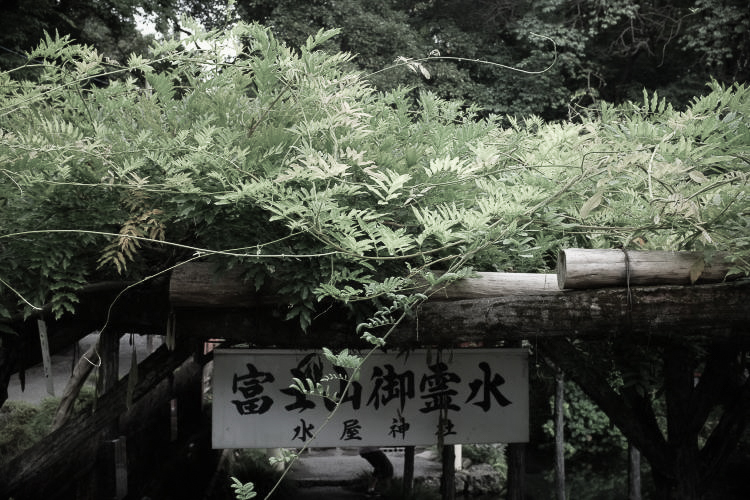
{"x":491,"y":309}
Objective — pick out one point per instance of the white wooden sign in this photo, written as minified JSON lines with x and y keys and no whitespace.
{"x":482,"y":394}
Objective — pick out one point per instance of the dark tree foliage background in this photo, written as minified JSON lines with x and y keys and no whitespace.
{"x":109,"y":25}
{"x":605,"y":50}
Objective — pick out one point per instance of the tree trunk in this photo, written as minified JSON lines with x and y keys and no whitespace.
{"x":680,"y":469}
{"x":73,"y":388}
{"x":682,"y":433}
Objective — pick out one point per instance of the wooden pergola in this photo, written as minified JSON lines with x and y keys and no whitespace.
{"x":196,"y":305}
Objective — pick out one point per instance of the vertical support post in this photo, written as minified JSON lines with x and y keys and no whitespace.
{"x":634,"y":473}
{"x":107,"y":377}
{"x":448,"y":478}
{"x":516,"y":459}
{"x":46,"y":359}
{"x":408,"y":484}
{"x":76,"y":357}
{"x":121,"y":468}
{"x":559,"y":434}
{"x":113,"y":470}
{"x":109,"y":351}
{"x":173,"y":419}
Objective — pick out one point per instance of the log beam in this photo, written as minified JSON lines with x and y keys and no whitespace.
{"x":717,"y":310}
{"x":579,"y":268}
{"x":197,"y":285}
{"x":529,"y":312}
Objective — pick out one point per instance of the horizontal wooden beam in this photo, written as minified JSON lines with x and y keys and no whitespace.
{"x":718,"y":310}
{"x":143,"y":309}
{"x":198,"y":285}
{"x":485,"y":310}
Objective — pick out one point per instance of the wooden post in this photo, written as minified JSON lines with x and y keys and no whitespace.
{"x":559,"y":434}
{"x":516,"y":459}
{"x":46,"y":359}
{"x":113,"y":474}
{"x":408,"y":483}
{"x":107,"y":377}
{"x":448,"y":478}
{"x":634,"y":473}
{"x":109,"y":354}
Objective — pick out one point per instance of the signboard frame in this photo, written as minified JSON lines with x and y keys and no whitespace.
{"x":412,"y":398}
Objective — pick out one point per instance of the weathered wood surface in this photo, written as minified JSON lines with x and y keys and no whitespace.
{"x":67,"y":453}
{"x":197,"y":285}
{"x":719,"y":310}
{"x":486,"y":285}
{"x":583,"y":268}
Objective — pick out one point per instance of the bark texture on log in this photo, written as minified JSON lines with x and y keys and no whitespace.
{"x":718,"y":310}
{"x":196,"y":285}
{"x":582,"y":268}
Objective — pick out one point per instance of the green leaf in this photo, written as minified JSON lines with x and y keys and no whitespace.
{"x":591,"y":204}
